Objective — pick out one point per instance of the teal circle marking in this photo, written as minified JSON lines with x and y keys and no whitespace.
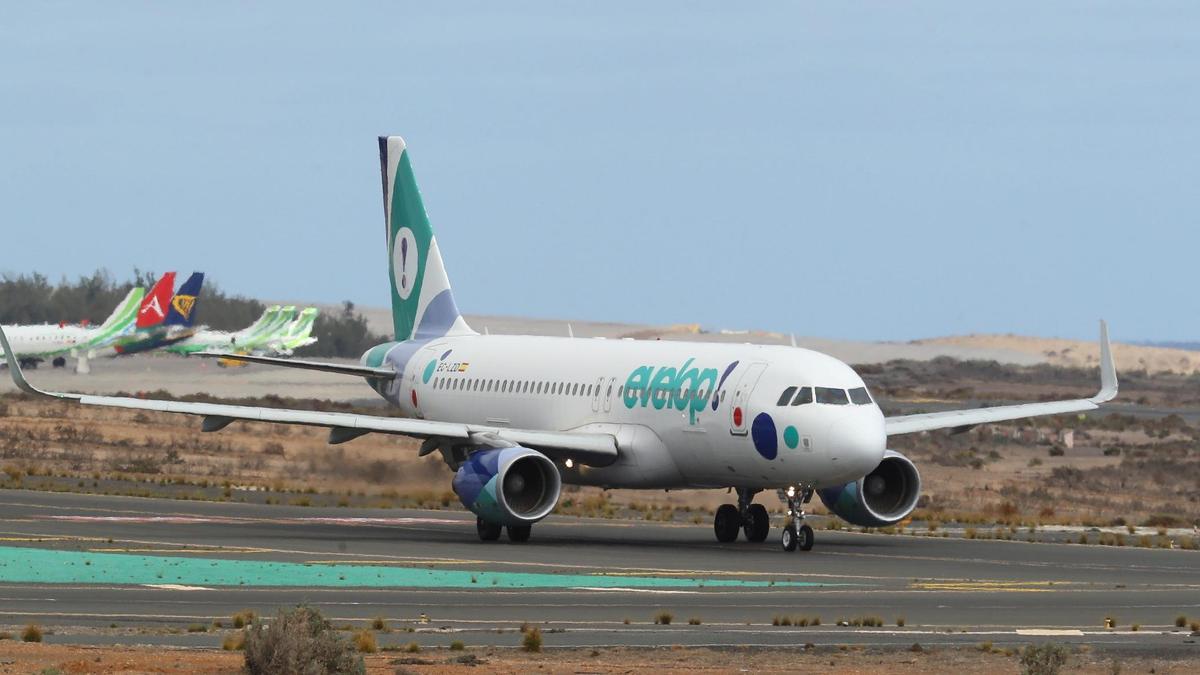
{"x":429,"y":371}
{"x":791,"y":437}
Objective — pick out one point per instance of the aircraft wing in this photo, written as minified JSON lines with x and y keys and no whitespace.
{"x":336,"y":368}
{"x":593,"y":449}
{"x":961,"y":420}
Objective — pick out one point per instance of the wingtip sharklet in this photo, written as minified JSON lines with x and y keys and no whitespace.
{"x":1108,"y":370}
{"x":18,"y":376}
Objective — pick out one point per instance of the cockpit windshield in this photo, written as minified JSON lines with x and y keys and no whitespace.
{"x":832,"y":396}
{"x":859,"y":396}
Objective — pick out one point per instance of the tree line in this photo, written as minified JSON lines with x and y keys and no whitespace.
{"x":33,"y":299}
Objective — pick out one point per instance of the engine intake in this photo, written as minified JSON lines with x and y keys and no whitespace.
{"x":508,"y":486}
{"x":881,"y":498}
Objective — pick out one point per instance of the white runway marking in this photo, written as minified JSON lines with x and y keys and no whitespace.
{"x":177,"y":587}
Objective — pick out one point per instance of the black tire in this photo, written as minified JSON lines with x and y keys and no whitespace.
{"x":727,"y":523}
{"x":59,"y":362}
{"x":805,"y":535}
{"x":788,"y":539}
{"x":760,"y":524}
{"x":488,"y":531}
{"x":519,"y":533}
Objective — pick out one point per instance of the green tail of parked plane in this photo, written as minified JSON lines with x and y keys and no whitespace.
{"x":275,"y":333}
{"x":297,"y":334}
{"x":33,"y":344}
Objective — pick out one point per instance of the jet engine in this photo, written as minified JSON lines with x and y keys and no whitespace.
{"x":508,"y":486}
{"x":881,"y":498}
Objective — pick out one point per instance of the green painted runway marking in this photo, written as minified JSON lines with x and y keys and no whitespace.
{"x":36,"y":565}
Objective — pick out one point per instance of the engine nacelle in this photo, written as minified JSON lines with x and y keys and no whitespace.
{"x":881,"y":498}
{"x":508,"y":486}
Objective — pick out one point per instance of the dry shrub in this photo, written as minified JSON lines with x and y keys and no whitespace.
{"x":243,"y":618}
{"x":532,"y":641}
{"x":1045,"y":659}
{"x":32,"y":633}
{"x":299,"y":641}
{"x":234,"y":641}
{"x":364,"y":641}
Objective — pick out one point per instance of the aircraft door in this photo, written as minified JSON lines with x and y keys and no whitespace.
{"x":596,"y":395}
{"x":608,"y":394}
{"x":739,"y":423}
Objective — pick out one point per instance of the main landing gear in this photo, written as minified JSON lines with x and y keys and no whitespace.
{"x":489,"y":531}
{"x":796,"y":534}
{"x":749,"y":518}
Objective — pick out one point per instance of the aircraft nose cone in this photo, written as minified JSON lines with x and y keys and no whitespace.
{"x":858,"y":444}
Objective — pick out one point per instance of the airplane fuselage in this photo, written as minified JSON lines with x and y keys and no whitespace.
{"x":48,"y":339}
{"x":685,"y":414}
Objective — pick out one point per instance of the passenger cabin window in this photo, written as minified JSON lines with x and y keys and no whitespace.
{"x":786,"y":396}
{"x":832,"y":396}
{"x":804,"y":395}
{"x":859,"y":396}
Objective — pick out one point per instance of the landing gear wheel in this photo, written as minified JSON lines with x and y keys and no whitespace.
{"x":788,"y":538}
{"x":727,"y":523}
{"x":758,"y":525}
{"x":805,"y":535}
{"x":488,"y":531}
{"x":519,"y":533}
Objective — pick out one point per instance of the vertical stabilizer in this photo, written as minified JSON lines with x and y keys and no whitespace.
{"x":153,"y":310}
{"x":122,"y":317}
{"x":423,"y":306}
{"x":120,"y":321}
{"x":183,"y":305}
{"x":302,"y":327}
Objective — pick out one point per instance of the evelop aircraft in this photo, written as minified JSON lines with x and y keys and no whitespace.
{"x":163,"y":318}
{"x":515,"y":417}
{"x":33,"y":344}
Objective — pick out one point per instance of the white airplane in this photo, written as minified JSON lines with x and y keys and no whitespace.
{"x":516,"y":417}
{"x":36,"y":343}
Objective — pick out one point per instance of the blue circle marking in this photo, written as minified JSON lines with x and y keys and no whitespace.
{"x":766,"y":440}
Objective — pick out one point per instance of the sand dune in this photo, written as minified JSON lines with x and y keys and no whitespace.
{"x":1077,"y":353}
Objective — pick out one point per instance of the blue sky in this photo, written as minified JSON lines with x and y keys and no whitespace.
{"x":854,"y":170}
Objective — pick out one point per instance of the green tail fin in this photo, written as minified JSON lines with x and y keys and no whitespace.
{"x":120,"y":320}
{"x":423,"y":306}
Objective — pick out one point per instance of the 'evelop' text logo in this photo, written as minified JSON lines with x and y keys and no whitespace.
{"x":679,"y":388}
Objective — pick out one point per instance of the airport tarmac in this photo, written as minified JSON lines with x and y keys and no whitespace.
{"x":101,"y":569}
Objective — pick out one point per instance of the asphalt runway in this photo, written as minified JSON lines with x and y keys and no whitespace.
{"x":102,"y":569}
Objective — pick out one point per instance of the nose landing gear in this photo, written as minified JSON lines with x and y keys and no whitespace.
{"x":796,"y":534}
{"x":750,"y":518}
